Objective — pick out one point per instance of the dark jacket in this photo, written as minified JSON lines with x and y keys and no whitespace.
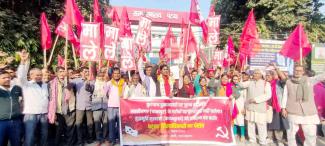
{"x":9,"y":103}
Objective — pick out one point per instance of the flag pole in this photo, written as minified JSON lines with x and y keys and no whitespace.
{"x":44,"y":53}
{"x":300,"y":48}
{"x":53,"y":47}
{"x":188,"y":34}
{"x":66,"y":57}
{"x":76,"y":65}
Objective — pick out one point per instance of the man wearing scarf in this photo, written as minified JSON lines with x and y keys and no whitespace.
{"x":62,"y":108}
{"x":114,"y":89}
{"x":300,"y":106}
{"x":258,"y":92}
{"x":164,"y":82}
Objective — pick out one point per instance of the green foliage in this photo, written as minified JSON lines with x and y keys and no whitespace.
{"x":19,"y":25}
{"x":275,"y":18}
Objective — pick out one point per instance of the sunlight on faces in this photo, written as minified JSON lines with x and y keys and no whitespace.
{"x":203,"y":82}
{"x":148,"y":71}
{"x":5,"y":79}
{"x":135,"y":78}
{"x":165,"y":71}
{"x":298,"y":71}
{"x":224,"y":79}
{"x":36,"y":75}
{"x":257,"y":74}
{"x":193,"y":74}
{"x":116,"y":74}
{"x":235,"y":79}
{"x":186,"y":79}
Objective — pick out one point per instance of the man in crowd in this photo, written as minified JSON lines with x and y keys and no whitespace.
{"x":258,"y":92}
{"x":35,"y":96}
{"x":62,"y":108}
{"x":300,"y":106}
{"x":114,"y":89}
{"x":147,"y":78}
{"x":83,"y":107}
{"x":135,"y":88}
{"x":10,"y":115}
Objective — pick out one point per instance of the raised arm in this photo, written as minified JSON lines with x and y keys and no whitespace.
{"x":141,"y":69}
{"x":23,"y":68}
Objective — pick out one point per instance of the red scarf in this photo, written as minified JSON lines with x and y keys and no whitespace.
{"x":275,"y":103}
{"x":228,"y":88}
{"x":190,"y":89}
{"x":167,"y":85}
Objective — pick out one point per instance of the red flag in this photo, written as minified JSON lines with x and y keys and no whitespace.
{"x":73,"y":14}
{"x":197,"y":19}
{"x":297,"y":39}
{"x":64,"y":28}
{"x":249,"y":40}
{"x":231,"y":47}
{"x":212,"y":7}
{"x":191,"y":42}
{"x":115,"y":18}
{"x":97,"y":16}
{"x":60,"y":60}
{"x":125,"y":25}
{"x":167,"y":42}
{"x":46,"y":39}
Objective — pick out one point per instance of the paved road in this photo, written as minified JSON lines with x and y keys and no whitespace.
{"x":320,"y":142}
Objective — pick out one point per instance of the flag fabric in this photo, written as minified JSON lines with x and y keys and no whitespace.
{"x":249,"y":39}
{"x":46,"y":39}
{"x":231,"y":47}
{"x":115,"y":18}
{"x":73,"y":14}
{"x":125,"y":25}
{"x":97,"y":15}
{"x":98,"y":18}
{"x":64,"y":28}
{"x":166,"y":44}
{"x":231,"y":56}
{"x":212,"y":7}
{"x":197,"y":19}
{"x":60,"y":60}
{"x":297,"y":39}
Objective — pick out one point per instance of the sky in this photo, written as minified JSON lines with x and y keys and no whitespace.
{"x":175,"y":5}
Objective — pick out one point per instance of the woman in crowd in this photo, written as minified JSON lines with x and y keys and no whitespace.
{"x":239,"y":97}
{"x":200,"y":85}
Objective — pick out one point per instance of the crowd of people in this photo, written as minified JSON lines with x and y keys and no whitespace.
{"x":71,"y":108}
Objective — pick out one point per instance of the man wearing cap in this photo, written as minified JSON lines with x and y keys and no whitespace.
{"x":258,"y":92}
{"x":300,"y":106}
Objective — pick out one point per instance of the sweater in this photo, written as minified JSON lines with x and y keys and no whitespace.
{"x":9,"y":103}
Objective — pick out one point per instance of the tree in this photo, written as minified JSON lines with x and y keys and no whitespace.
{"x":19,"y":25}
{"x":275,"y":19}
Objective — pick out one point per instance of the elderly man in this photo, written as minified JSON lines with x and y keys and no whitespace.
{"x":62,"y":108}
{"x":135,"y":88}
{"x":35,"y":96}
{"x":258,"y":92}
{"x":300,"y":106}
{"x":147,"y":78}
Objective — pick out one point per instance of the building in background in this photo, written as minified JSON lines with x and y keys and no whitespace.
{"x":160,"y":21}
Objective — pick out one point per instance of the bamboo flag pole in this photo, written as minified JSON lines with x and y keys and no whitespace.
{"x":44,"y":53}
{"x":76,"y":64}
{"x":186,"y":45}
{"x":66,"y":57}
{"x":53,"y":47}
